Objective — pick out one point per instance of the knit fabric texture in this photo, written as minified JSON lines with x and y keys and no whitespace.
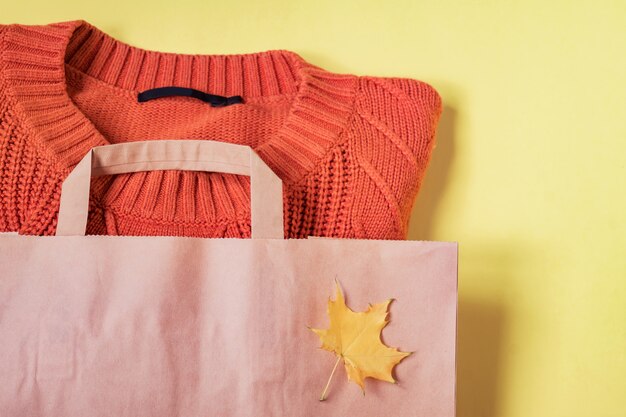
{"x":351,"y":150}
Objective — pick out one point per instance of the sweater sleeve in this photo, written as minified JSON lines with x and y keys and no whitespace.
{"x":399,"y":117}
{"x":8,"y":218}
{"x":29,"y":184}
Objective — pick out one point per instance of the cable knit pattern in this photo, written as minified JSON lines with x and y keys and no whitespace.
{"x":351,"y":150}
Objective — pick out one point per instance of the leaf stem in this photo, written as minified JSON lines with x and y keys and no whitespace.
{"x":323,"y":397}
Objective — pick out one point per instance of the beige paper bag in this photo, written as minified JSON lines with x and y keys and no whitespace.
{"x":127,"y":326}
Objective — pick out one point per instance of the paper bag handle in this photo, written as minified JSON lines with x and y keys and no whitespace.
{"x":266,"y":200}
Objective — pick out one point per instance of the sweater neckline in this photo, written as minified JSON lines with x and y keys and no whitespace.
{"x":35,"y":59}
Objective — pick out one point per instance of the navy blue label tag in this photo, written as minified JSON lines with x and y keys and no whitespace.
{"x":212,"y":99}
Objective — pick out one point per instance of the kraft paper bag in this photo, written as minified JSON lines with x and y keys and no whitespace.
{"x":173,"y":326}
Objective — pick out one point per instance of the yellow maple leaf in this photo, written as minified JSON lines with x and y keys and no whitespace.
{"x":355,"y":338}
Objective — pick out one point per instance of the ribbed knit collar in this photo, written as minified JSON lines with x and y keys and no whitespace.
{"x":36,"y":56}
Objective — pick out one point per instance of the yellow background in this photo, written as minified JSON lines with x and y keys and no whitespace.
{"x":528,"y":174}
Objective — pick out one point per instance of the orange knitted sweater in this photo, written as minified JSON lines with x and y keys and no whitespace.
{"x":351,"y":150}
